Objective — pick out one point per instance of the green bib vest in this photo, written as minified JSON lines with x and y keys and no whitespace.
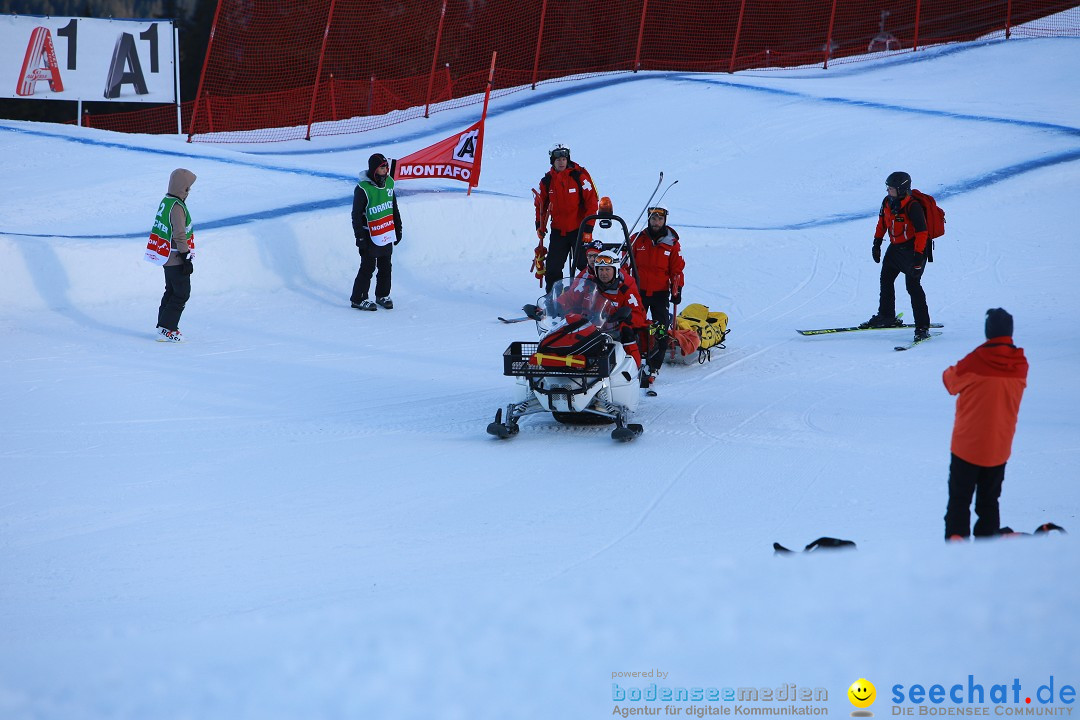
{"x":163,"y":222}
{"x":380,"y":211}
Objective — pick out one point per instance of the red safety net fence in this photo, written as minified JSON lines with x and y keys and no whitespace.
{"x":288,"y":70}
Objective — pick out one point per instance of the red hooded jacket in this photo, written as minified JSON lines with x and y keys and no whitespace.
{"x":990,"y":382}
{"x":568,"y":197}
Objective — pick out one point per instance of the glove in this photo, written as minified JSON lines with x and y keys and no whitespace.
{"x":541,"y":233}
{"x":877,"y":250}
{"x":658,"y":329}
{"x":676,"y":297}
{"x":398,"y":240}
{"x":189,"y":267}
{"x":920,"y":260}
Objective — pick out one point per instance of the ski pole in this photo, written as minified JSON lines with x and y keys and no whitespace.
{"x":648,"y":202}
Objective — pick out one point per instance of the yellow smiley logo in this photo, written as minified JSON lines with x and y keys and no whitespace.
{"x":862,"y":693}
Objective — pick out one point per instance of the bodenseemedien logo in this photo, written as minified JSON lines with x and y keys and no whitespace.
{"x":862,"y":695}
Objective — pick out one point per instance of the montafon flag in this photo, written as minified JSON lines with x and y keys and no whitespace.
{"x":455,"y":158}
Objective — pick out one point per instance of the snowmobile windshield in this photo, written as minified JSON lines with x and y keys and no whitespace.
{"x":572,"y":298}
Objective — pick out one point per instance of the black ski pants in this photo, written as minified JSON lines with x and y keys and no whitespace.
{"x":560,"y":247}
{"x":656,"y":305}
{"x":965,"y":480}
{"x":177,"y":293}
{"x":900,"y":259}
{"x":369,"y":262}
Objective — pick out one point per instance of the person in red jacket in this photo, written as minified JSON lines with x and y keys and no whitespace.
{"x":567,"y":196}
{"x":990,"y":382}
{"x":904,"y":219}
{"x":658,"y":259}
{"x":622,"y":291}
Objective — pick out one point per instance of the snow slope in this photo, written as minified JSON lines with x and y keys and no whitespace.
{"x":297,"y":514}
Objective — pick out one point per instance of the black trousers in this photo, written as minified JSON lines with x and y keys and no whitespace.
{"x":560,"y":247}
{"x":965,"y":480}
{"x":368,"y":264}
{"x":177,"y":292}
{"x":900,"y":259}
{"x":656,"y":305}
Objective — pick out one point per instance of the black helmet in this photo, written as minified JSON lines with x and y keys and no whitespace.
{"x":559,"y":151}
{"x":900,"y":181}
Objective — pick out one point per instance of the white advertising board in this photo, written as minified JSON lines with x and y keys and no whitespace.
{"x":68,"y":58}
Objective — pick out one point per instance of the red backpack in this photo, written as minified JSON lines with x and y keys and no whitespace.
{"x":935,"y":220}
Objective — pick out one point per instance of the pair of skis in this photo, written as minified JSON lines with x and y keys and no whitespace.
{"x":859,"y":328}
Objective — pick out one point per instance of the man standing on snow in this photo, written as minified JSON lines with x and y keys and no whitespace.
{"x":377,"y":228}
{"x":658,"y":259}
{"x":905,"y":220}
{"x":990,"y":382}
{"x":567,"y":196}
{"x":173,"y":226}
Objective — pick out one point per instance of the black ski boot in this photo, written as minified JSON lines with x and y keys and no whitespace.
{"x":882,"y":321}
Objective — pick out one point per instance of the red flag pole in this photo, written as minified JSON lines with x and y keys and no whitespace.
{"x":483,"y":123}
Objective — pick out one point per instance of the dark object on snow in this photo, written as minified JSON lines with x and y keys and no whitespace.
{"x":822,"y":543}
{"x":1044,"y":529}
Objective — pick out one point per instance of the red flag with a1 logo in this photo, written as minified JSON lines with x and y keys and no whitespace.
{"x":455,"y":158}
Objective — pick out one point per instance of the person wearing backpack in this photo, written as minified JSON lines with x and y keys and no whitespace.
{"x":904,"y":218}
{"x":989,"y":384}
{"x":567,"y":196}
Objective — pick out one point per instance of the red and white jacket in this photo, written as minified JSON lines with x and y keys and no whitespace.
{"x":568,"y":197}
{"x":659,"y":261}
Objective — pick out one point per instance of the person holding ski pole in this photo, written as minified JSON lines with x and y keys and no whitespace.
{"x":659,"y":262}
{"x":905,"y":220}
{"x":989,"y":383}
{"x":567,"y":197}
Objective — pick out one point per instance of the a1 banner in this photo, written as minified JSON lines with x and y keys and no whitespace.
{"x":68,"y":58}
{"x":458,"y":157}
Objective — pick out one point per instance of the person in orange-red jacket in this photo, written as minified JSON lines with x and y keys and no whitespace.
{"x":622,"y":291}
{"x":990,"y":382}
{"x":904,"y":219}
{"x":567,"y":196}
{"x":659,"y":262}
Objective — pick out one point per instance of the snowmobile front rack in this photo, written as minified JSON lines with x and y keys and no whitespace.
{"x":516,"y":363}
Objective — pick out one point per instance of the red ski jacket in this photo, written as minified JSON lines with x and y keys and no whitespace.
{"x":659,"y":262}
{"x":568,"y":197}
{"x":904,"y":226}
{"x":990,"y":382}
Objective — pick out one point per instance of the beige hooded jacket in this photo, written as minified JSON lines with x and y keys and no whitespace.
{"x":180,"y":182}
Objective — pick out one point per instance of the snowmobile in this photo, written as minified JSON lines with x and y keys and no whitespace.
{"x":577,"y":372}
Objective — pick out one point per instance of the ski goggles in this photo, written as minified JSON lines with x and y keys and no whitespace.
{"x":659,"y":212}
{"x":605,"y":261}
{"x":560,"y":153}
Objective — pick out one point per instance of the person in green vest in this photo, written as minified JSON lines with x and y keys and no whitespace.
{"x":377,"y":228}
{"x":173,"y":227}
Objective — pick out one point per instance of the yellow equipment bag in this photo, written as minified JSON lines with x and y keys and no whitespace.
{"x":711,"y":327}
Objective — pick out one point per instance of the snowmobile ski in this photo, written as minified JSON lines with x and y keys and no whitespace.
{"x":627,"y":432}
{"x":913,"y":343}
{"x":510,"y":321}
